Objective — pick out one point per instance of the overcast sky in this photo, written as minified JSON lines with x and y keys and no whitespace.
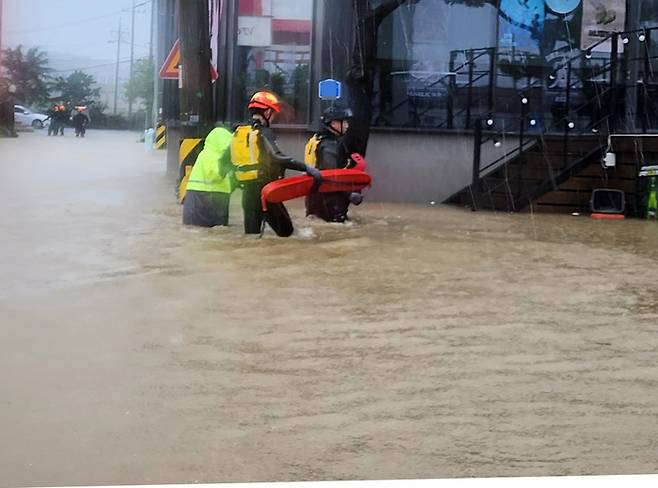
{"x":76,"y":28}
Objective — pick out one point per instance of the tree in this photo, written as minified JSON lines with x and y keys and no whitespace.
{"x":140,"y":86}
{"x":76,"y":88}
{"x":29,"y":73}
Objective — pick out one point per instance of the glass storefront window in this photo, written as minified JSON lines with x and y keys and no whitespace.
{"x":534,"y":44}
{"x":420,"y":48}
{"x":274,"y":53}
{"x":648,"y":96}
{"x":444,"y":63}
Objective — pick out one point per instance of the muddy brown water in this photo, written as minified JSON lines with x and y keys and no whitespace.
{"x":414,"y":342}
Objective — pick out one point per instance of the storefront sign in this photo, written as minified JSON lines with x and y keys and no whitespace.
{"x":562,"y":6}
{"x":600,"y":19}
{"x":521,"y":25}
{"x":254,"y":31}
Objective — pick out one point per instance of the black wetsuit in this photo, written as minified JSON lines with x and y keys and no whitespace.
{"x":272,"y":165}
{"x":53,"y":127}
{"x":80,"y":122}
{"x":62,"y":119}
{"x":332,"y":153}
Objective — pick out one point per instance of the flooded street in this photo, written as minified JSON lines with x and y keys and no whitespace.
{"x":414,"y":342}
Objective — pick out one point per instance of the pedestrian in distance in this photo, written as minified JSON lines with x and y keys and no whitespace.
{"x":80,"y":121}
{"x":208,"y":191}
{"x":258,"y":161}
{"x":62,"y":119}
{"x":328,"y":149}
{"x":53,"y":116}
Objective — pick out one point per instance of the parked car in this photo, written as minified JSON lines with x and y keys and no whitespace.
{"x":26,"y":117}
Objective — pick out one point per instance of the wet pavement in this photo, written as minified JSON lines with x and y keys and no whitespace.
{"x":414,"y":342}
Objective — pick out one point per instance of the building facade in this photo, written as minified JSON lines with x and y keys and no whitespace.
{"x":439,"y":69}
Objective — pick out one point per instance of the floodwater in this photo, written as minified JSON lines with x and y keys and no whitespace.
{"x":414,"y":342}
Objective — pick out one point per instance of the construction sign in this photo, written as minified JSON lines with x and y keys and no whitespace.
{"x":161,"y":136}
{"x":170,"y":68}
{"x":188,"y":151}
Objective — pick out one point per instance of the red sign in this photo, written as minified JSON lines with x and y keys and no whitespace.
{"x":169,"y":69}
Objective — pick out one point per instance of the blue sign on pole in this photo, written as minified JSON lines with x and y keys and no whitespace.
{"x":329,"y":89}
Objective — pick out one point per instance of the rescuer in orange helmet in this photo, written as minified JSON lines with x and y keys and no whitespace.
{"x":62,"y":118}
{"x":258,"y":161}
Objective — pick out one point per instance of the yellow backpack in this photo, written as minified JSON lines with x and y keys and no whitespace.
{"x":245,"y":154}
{"x":311,"y":151}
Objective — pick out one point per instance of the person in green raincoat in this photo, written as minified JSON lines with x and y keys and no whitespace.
{"x":210,"y":183}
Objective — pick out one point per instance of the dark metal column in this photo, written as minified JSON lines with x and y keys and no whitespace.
{"x":224,"y":86}
{"x":167,"y":35}
{"x":632,"y":53}
{"x":194,"y":71}
{"x":477,"y":155}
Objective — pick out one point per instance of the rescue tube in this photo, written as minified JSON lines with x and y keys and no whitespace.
{"x":299,"y":186}
{"x":608,"y":216}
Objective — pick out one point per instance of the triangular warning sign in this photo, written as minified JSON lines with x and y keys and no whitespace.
{"x":169,"y":69}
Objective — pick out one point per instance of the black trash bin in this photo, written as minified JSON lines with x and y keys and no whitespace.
{"x":608,"y":201}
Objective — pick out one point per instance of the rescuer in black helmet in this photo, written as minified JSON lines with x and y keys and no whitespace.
{"x":327,"y":149}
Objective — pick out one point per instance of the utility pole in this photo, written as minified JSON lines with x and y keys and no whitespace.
{"x":195,"y":86}
{"x":4,"y":104}
{"x":0,"y":34}
{"x":151,"y":31}
{"x":132,"y":55}
{"x":116,"y":73}
{"x":151,"y":110}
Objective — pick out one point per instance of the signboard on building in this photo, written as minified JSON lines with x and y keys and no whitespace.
{"x":254,"y":31}
{"x":562,"y":6}
{"x":521,"y":25}
{"x":600,"y":19}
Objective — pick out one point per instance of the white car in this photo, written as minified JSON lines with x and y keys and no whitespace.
{"x":26,"y":117}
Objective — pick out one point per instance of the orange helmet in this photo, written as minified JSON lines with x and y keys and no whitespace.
{"x":265,"y":100}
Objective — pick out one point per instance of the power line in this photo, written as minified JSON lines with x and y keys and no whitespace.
{"x":90,"y":67}
{"x":72,"y":23}
{"x":137,"y":5}
{"x":58,"y":48}
{"x":66,"y":24}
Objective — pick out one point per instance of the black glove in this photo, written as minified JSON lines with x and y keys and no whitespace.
{"x":356,"y":198}
{"x":314,"y":173}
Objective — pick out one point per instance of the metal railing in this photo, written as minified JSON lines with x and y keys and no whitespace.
{"x":477,"y":66}
{"x":599,"y":75}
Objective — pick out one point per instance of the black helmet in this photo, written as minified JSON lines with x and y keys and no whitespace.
{"x":336,"y":113}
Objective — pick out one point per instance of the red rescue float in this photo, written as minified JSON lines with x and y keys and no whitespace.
{"x":353,"y":179}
